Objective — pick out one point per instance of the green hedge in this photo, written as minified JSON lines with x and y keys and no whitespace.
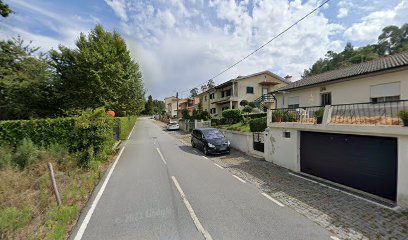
{"x":232,"y":116}
{"x":89,"y":134}
{"x":256,"y":115}
{"x":258,"y":124}
{"x":126,"y":125}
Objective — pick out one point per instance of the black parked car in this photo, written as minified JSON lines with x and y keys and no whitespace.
{"x":210,"y":140}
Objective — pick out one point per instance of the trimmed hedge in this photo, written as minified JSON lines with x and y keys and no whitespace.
{"x":258,"y":124}
{"x":90,"y":134}
{"x":126,"y":125}
{"x":256,"y":115}
{"x":232,"y":116}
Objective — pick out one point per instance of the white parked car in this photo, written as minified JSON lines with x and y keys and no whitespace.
{"x":173,"y":126}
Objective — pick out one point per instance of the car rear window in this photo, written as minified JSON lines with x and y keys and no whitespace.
{"x":213,"y":134}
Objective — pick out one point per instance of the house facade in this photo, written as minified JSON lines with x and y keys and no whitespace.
{"x":171,"y":106}
{"x":253,"y":88}
{"x":360,"y":144}
{"x":187,"y":103}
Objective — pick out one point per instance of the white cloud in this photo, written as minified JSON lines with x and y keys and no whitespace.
{"x":370,"y":26}
{"x":179,"y":50}
{"x":119,"y":7}
{"x":343,"y":12}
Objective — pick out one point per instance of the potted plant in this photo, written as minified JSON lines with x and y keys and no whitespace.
{"x":404,"y":116}
{"x":278,"y":115}
{"x":319,"y":115}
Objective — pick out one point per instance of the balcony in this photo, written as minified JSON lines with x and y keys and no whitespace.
{"x":367,"y":114}
{"x":224,"y":99}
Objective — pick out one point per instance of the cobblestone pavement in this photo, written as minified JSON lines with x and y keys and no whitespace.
{"x":347,"y":217}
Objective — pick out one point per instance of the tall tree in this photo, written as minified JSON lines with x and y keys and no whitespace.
{"x":149,"y":105}
{"x":210,"y":84}
{"x":194,"y":92}
{"x":99,"y":72}
{"x":4,"y":9}
{"x":25,"y":81}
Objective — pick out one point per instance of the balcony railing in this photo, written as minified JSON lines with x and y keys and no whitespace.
{"x":304,"y":115}
{"x":385,"y":113}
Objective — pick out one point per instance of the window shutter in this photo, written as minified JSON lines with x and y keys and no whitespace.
{"x":385,"y":90}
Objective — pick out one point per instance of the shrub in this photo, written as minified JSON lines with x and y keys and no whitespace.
{"x":215,"y":122}
{"x":232,"y":115}
{"x":185,"y":114}
{"x":26,"y":153}
{"x":205,"y":115}
{"x":290,"y":117}
{"x":258,"y":124}
{"x":247,"y":109}
{"x":319,"y":112}
{"x":403,"y":115}
{"x":256,"y":115}
{"x":125,"y":125}
{"x":6,"y":156}
{"x":252,"y":104}
{"x":277,"y":114}
{"x":12,"y":219}
{"x":243,"y":103}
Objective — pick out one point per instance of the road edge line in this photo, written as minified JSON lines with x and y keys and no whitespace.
{"x":240,"y":179}
{"x":218,"y":166}
{"x":273,"y":200}
{"x":161,"y":156}
{"x":88,"y":216}
{"x":190,"y":209}
{"x":130,"y":134}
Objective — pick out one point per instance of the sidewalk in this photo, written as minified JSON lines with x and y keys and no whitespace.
{"x":345,"y":216}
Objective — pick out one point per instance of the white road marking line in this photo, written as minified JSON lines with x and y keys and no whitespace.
{"x":205,"y":157}
{"x":353,"y":195}
{"x":240,"y":179}
{"x":334,"y":238}
{"x":218,"y":166}
{"x":273,"y":200}
{"x":88,"y":216}
{"x":197,"y":223}
{"x":131,"y":131}
{"x":161,"y":156}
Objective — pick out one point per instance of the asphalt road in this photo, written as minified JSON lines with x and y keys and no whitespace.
{"x":141,"y":199}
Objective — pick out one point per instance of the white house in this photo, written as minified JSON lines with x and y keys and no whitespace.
{"x":361,"y":144}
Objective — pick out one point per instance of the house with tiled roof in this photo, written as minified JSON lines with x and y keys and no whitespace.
{"x":342,"y":128}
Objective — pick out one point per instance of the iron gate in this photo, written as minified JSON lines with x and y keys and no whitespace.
{"x":258,"y":141}
{"x":191,"y":125}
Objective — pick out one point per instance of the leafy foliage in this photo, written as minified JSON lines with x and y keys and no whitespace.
{"x":99,"y":72}
{"x":4,"y":9}
{"x":258,"y":124}
{"x":25,"y":81}
{"x":243,"y":103}
{"x":247,"y":109}
{"x":126,"y":126}
{"x":403,"y":115}
{"x":232,"y":115}
{"x":194,"y":92}
{"x":392,"y":40}
{"x":89,"y":134}
{"x":185,"y":114}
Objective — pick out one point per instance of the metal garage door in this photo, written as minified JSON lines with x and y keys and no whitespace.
{"x":362,"y":162}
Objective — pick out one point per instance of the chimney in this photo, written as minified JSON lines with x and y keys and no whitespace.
{"x":288,"y":78}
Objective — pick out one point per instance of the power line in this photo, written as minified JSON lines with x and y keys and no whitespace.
{"x":263,"y":45}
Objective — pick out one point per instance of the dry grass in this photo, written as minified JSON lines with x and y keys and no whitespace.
{"x":27,"y":204}
{"x":378,"y":120}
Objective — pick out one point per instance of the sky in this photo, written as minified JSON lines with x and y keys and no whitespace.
{"x":179,"y":44}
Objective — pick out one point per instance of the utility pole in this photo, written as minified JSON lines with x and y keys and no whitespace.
{"x":177,"y":104}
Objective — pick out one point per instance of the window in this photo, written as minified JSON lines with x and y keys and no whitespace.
{"x":325,"y":99}
{"x":212,"y":95}
{"x":286,"y":134}
{"x":205,"y":98}
{"x":250,"y":90}
{"x":213,"y":110}
{"x":228,"y":92}
{"x":385,"y":99}
{"x":222,"y":94}
{"x":385,"y":92}
{"x":225,"y":108}
{"x":293,"y":102}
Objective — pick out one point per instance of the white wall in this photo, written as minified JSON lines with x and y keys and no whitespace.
{"x":242,"y":141}
{"x":282,"y":151}
{"x":352,"y":91}
{"x":286,"y":152}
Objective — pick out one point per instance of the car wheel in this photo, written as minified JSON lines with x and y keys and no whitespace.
{"x":192,"y":144}
{"x":205,"y":150}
